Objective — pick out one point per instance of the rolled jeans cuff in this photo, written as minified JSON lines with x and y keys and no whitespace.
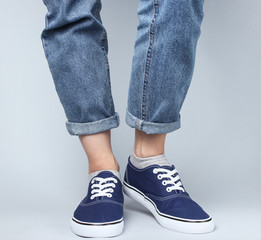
{"x":93,"y":127}
{"x":151,"y":127}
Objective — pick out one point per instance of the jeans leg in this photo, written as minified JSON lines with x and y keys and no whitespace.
{"x":163,"y":63}
{"x":76,"y":48}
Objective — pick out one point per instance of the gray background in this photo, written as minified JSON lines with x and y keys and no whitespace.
{"x":43,"y":170}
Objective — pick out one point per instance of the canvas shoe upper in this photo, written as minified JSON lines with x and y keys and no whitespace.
{"x":100,"y":213}
{"x":159,"y":188}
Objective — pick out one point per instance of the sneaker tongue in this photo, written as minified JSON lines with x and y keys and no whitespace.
{"x":104,"y":174}
{"x":169,"y":168}
{"x":172,"y":168}
{"x":166,"y":167}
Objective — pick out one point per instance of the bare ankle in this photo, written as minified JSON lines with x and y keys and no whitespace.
{"x":99,"y":152}
{"x":142,"y":153}
{"x":102,"y":162}
{"x":147,"y":145}
{"x":103,"y":165}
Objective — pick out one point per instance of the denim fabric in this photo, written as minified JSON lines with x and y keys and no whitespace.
{"x":76,"y":48}
{"x":163,"y":63}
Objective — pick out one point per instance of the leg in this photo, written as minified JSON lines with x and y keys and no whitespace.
{"x":163,"y":63}
{"x":146,"y":145}
{"x":76,"y":48}
{"x":162,"y":69}
{"x":75,"y":45}
{"x":99,"y":151}
{"x":164,"y":78}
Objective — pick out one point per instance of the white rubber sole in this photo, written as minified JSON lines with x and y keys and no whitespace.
{"x":84,"y":229}
{"x":167,"y":221}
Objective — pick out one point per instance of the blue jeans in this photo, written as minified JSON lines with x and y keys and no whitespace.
{"x":75,"y":45}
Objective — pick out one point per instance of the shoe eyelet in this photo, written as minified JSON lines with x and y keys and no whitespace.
{"x":167,"y":189}
{"x":109,"y":195}
{"x":159,"y":177}
{"x":164,"y":183}
{"x":111,"y":190}
{"x":154,"y":171}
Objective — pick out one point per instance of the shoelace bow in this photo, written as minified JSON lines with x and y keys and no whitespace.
{"x":169,"y":179}
{"x":102,"y":187}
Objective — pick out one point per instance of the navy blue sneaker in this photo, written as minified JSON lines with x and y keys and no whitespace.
{"x":100,"y":213}
{"x":160,"y":190}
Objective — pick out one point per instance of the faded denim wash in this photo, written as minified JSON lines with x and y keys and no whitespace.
{"x":75,"y":45}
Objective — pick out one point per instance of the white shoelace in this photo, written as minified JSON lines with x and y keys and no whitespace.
{"x":169,"y":174}
{"x":102,"y":188}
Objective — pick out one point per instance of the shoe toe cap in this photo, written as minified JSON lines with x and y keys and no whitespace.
{"x":99,"y":212}
{"x":184,"y":208}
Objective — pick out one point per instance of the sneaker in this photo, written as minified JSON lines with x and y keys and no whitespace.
{"x":100,"y":213}
{"x":160,"y":190}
